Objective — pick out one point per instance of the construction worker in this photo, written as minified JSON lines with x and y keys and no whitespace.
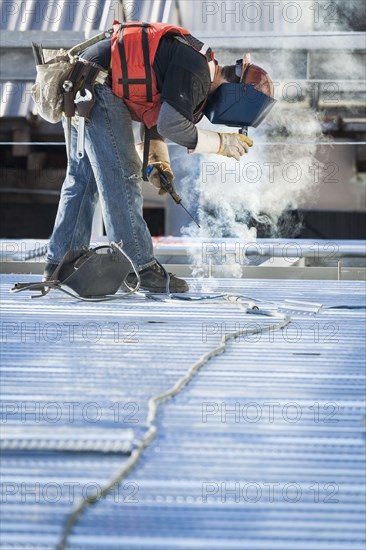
{"x":164,"y":78}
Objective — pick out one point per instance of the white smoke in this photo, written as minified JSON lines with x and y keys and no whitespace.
{"x":236,"y":197}
{"x":259,"y":188}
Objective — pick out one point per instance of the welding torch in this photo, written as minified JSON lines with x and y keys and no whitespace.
{"x":169,"y":187}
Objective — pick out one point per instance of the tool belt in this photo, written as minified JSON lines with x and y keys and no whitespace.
{"x":82,"y":79}
{"x":54,"y":68}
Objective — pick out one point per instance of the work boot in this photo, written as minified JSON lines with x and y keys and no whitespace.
{"x":153,"y":279}
{"x":48,"y":271}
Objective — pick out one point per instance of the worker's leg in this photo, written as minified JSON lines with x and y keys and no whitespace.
{"x":110,"y":147}
{"x":79,"y":196}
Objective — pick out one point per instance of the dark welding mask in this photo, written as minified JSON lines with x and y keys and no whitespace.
{"x":244,"y":103}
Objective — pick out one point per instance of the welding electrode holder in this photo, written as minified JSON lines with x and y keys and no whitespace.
{"x":165,"y":184}
{"x":170,"y":188}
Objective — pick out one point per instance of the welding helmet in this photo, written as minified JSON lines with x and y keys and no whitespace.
{"x":244,"y":103}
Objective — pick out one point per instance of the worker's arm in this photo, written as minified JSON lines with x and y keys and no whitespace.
{"x":177,"y":128}
{"x":171,"y":125}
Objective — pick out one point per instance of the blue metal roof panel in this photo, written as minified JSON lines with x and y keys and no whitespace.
{"x":78,"y":15}
{"x":16,"y":99}
{"x":223,"y":471}
{"x":57,"y":15}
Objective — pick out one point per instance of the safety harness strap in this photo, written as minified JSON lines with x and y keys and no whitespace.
{"x":125,"y":81}
{"x":145,"y":160}
{"x":147,"y":81}
{"x":146,"y":52}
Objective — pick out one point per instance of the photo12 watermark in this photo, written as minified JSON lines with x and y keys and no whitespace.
{"x":269,"y":492}
{"x":253,"y":172}
{"x":250,"y":12}
{"x":68,"y":412}
{"x":91,"y":13}
{"x":270,"y":412}
{"x":67,"y":492}
{"x":265,"y":331}
{"x":69,"y":332}
{"x":241,"y":252}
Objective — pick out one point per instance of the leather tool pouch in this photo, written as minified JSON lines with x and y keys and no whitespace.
{"x":47,"y":92}
{"x":53,"y":68}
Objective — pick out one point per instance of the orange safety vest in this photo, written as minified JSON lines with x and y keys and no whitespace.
{"x":134,"y":46}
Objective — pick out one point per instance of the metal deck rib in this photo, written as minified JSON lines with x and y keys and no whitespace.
{"x":315,"y":465}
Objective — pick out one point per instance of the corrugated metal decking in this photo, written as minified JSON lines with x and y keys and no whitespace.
{"x":264,"y":449}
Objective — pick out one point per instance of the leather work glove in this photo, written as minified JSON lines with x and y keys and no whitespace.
{"x":158,"y":170}
{"x":234,"y":145}
{"x":159,"y":163}
{"x":226,"y":144}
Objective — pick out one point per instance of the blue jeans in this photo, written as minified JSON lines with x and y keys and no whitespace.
{"x":110,"y":170}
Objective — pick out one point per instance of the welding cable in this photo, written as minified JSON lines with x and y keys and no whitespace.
{"x":229,"y":297}
{"x":191,"y":298}
{"x":57,"y":285}
{"x":153,"y":406}
{"x":150,"y":295}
